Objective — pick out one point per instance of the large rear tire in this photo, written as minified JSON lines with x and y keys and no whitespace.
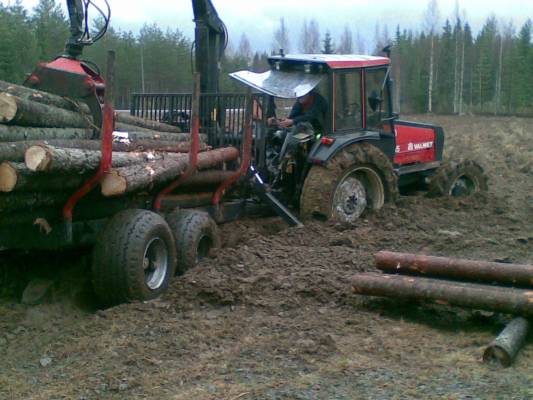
{"x":358,"y":178}
{"x":134,"y":258}
{"x":195,"y":234}
{"x":458,"y":178}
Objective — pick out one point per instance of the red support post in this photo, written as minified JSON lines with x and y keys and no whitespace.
{"x":195,"y":145}
{"x":108,"y":125}
{"x":246,"y":155}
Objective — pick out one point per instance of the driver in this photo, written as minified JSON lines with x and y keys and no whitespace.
{"x":309,"y":108}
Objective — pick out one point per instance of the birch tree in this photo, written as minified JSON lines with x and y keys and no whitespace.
{"x":431,"y":20}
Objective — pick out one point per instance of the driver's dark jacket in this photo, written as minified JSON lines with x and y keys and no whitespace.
{"x":313,"y":113}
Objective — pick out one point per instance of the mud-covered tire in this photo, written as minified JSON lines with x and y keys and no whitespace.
{"x":458,"y":178}
{"x":134,"y":258}
{"x":321,"y":183}
{"x":195,"y":234}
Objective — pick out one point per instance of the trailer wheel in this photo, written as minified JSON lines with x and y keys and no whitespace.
{"x":134,"y":258}
{"x":195,"y":234}
{"x":458,"y":178}
{"x":358,"y":178}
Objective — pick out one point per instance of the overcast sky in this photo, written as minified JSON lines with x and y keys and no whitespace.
{"x":259,"y":18}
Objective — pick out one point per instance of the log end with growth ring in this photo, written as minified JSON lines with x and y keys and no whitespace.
{"x":8,"y":177}
{"x":113,"y":184}
{"x":8,"y":108}
{"x":37,"y":158}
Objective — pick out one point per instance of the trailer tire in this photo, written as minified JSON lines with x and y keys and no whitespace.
{"x":195,"y":234}
{"x":134,"y":258}
{"x":377,"y":184}
{"x":459,"y":178}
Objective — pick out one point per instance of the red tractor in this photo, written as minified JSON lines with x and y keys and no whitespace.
{"x":362,"y":153}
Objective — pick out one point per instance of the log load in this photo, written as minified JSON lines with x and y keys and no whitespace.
{"x":470,"y":295}
{"x":19,"y":133}
{"x":15,"y":151}
{"x":509,"y":342}
{"x":120,"y":181}
{"x":65,"y":103}
{"x":52,"y":159}
{"x":17,"y":111}
{"x":443,"y":267}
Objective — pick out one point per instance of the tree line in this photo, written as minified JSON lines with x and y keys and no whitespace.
{"x":443,"y":67}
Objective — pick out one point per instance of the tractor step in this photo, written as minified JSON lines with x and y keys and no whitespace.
{"x":262,"y":190}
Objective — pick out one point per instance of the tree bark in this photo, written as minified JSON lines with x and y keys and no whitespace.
{"x":146,"y":123}
{"x":10,"y":202}
{"x":14,"y":151}
{"x":144,"y":176}
{"x":22,"y":112}
{"x":506,"y":346}
{"x":20,"y":133}
{"x":44,"y":97}
{"x":52,"y":159}
{"x":145,"y":134}
{"x":443,"y":267}
{"x":16,"y":177}
{"x":470,"y":295}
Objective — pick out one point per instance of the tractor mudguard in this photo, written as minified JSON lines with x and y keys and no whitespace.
{"x":321,"y":153}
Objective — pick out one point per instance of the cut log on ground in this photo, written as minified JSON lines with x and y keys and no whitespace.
{"x":482,"y":271}
{"x":18,"y":177}
{"x":144,"y":176}
{"x":44,"y":97}
{"x":508,"y":343}
{"x":470,"y":295}
{"x":53,"y":159}
{"x":146,"y":123}
{"x":22,"y":112}
{"x":20,"y":133}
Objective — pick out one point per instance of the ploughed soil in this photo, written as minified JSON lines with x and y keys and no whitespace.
{"x":272,"y":316}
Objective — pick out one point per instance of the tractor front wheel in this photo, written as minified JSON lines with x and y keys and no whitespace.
{"x":358,"y":178}
{"x":458,"y":179}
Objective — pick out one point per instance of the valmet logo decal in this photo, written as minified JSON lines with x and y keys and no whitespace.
{"x":415,"y":147}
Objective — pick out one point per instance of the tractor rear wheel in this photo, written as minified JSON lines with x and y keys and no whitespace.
{"x":358,"y":178}
{"x":459,"y":178}
{"x":195,"y":234}
{"x":134,"y":258}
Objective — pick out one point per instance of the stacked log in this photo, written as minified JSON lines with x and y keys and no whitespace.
{"x":49,"y":147}
{"x":464,"y":283}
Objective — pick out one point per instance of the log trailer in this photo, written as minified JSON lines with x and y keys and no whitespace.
{"x":161,"y":217}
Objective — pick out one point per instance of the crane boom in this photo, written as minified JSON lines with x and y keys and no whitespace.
{"x":210,"y":42}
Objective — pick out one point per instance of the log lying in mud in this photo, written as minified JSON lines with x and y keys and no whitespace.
{"x":508,"y":343}
{"x":483,"y":271}
{"x":17,"y":111}
{"x":20,"y":133}
{"x":144,"y":176}
{"x":470,"y":295}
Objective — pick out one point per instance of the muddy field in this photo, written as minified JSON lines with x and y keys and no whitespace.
{"x":272,"y":316}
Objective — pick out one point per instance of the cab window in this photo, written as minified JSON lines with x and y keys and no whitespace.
{"x":377,"y":100}
{"x":348,"y":100}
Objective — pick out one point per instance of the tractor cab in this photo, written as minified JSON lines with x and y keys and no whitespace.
{"x":356,"y":87}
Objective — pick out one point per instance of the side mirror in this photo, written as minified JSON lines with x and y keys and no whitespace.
{"x":374,"y":101}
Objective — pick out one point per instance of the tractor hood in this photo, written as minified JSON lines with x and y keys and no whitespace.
{"x":287,"y":85}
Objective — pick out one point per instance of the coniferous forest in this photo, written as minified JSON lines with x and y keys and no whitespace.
{"x":442,"y":67}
